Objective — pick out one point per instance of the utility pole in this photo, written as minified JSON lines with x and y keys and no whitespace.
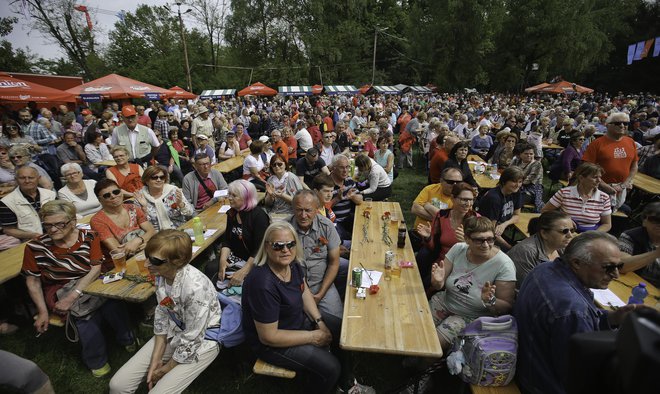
{"x":183,"y":39}
{"x":373,"y":66}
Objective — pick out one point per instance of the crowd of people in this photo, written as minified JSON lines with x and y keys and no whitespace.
{"x":316,"y":159}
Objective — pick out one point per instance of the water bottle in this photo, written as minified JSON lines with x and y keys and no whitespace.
{"x":639,"y":292}
{"x":198,"y":231}
{"x":494,"y":170}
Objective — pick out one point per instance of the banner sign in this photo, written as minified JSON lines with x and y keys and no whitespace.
{"x":152,"y":96}
{"x":91,"y":98}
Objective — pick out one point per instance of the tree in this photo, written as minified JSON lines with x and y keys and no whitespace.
{"x":211,"y":14}
{"x":59,"y":22}
{"x":13,"y":60}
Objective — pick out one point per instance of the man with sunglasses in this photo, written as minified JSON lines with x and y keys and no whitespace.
{"x":640,"y":246}
{"x":435,"y":197}
{"x":617,"y":154}
{"x":555,"y":302}
{"x":19,"y":210}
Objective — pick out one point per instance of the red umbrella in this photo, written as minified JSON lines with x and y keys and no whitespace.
{"x":16,"y":90}
{"x":317,"y":89}
{"x":180,"y":93}
{"x":563,"y":87}
{"x":534,"y":88}
{"x":116,"y":87}
{"x":258,"y":89}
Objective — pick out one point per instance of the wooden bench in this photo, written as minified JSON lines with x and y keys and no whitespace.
{"x":510,"y":388}
{"x":263,"y":368}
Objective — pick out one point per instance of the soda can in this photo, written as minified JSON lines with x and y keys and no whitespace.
{"x":389,"y":259}
{"x":356,"y":277}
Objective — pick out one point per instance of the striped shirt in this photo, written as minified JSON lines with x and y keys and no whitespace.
{"x":344,"y":209}
{"x":53,"y":264}
{"x":584,"y":213}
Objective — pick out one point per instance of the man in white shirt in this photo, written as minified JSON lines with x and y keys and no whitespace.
{"x":303,"y":137}
{"x":202,"y":124}
{"x":140,"y":141}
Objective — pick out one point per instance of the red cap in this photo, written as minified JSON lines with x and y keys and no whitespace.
{"x":86,"y":112}
{"x":128,"y":110}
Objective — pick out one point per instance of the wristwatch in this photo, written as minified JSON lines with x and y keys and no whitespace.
{"x":318,"y":320}
{"x":491,"y":302}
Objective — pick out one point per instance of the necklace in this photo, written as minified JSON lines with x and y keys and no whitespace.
{"x":286,"y":274}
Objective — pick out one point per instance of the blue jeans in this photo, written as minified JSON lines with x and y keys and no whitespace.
{"x":91,"y":336}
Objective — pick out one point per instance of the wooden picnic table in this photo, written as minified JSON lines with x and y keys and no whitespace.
{"x":551,"y":146}
{"x":235,"y":162}
{"x":623,"y":286}
{"x":646,"y":183}
{"x":523,"y":222}
{"x":11,"y":260}
{"x":483,"y":181}
{"x":396,"y":320}
{"x":108,"y":163}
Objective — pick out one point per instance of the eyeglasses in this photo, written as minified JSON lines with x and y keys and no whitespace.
{"x":71,"y":174}
{"x":451,"y":182}
{"x":465,"y":200}
{"x":11,"y":128}
{"x":480,"y":241}
{"x":278,"y":164}
{"x":565,"y":231}
{"x":278,"y":246}
{"x":16,"y":157}
{"x":610,"y":268}
{"x":204,"y":164}
{"x":58,"y":225}
{"x":158,"y":178}
{"x":620,"y":123}
{"x":107,"y":195}
{"x":155,"y":260}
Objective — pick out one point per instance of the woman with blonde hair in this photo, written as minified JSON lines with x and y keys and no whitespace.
{"x":127,"y":175}
{"x":163,"y":202}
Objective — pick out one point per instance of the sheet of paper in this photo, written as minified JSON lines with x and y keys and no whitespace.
{"x":495,"y":176}
{"x":195,"y":249}
{"x":224,"y":209}
{"x":605,"y":297}
{"x":220,"y":193}
{"x":207,"y":234}
{"x":84,"y":226}
{"x":367,"y":281}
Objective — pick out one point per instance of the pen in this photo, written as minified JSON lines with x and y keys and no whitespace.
{"x":368,"y":274}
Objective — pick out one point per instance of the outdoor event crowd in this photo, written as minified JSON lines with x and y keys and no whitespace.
{"x":141,"y":172}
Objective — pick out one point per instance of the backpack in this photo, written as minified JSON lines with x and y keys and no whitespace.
{"x":230,"y":333}
{"x":485,"y":352}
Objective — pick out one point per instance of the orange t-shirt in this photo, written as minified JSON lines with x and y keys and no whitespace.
{"x":615,"y":157}
{"x":281,"y":149}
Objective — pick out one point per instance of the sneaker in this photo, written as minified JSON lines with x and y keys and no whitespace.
{"x":360,"y":389}
{"x":101,"y":372}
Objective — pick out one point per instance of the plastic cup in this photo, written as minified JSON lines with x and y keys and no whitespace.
{"x":119,"y":259}
{"x":396,"y":270}
{"x":140,"y":261}
{"x":368,"y":201}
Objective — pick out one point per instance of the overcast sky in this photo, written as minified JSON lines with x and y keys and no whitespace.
{"x":23,"y":37}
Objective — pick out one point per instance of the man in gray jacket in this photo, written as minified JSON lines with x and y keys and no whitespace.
{"x":200,"y":184}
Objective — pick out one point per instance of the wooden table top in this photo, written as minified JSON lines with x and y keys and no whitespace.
{"x":11,"y":260}
{"x":398,"y":319}
{"x":523,"y":222}
{"x":483,"y":181}
{"x":551,"y":146}
{"x":109,"y":163}
{"x":623,"y":286}
{"x":131,"y":291}
{"x":231,"y":164}
{"x":646,"y":183}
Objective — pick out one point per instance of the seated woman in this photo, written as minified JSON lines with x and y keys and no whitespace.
{"x":639,"y":251}
{"x":282,"y":323}
{"x":178,"y":351}
{"x":502,"y":204}
{"x":181,"y":149}
{"x":12,"y":135}
{"x":550,"y":233}
{"x":503,"y":156}
{"x":119,"y":225}
{"x":253,"y":166}
{"x":246,"y":224}
{"x":20,"y":156}
{"x":96,"y":150}
{"x":458,"y":159}
{"x":532,"y":187}
{"x":58,"y":266}
{"x":380,"y":185}
{"x":163,"y":202}
{"x":589,"y":207}
{"x":229,"y":148}
{"x":281,"y":187}
{"x":569,"y":159}
{"x":7,"y":172}
{"x":445,"y":231}
{"x":126,"y":175}
{"x":481,"y":143}
{"x":384,"y":157}
{"x":78,"y":190}
{"x":475,"y":279}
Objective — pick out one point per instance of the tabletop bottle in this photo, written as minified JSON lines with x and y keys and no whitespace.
{"x":639,"y":292}
{"x":198,"y":230}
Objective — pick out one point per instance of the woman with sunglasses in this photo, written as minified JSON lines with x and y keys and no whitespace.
{"x":246,"y":224}
{"x":78,"y":190}
{"x":126,"y":175}
{"x":589,"y":207}
{"x":187,"y":306}
{"x":281,"y":187}
{"x":58,"y":266}
{"x":282,"y":323}
{"x":12,"y":135}
{"x":20,"y":157}
{"x":163,"y":203}
{"x":120,"y":226}
{"x":550,"y":234}
{"x":7,"y":172}
{"x":474,"y":279}
{"x":446,"y":229}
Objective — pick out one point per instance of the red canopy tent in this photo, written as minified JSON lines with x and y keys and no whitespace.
{"x":15,"y":90}
{"x":258,"y":89}
{"x":317,"y":89}
{"x":180,"y":93}
{"x":533,"y":89}
{"x":562,"y":87}
{"x":116,"y":87}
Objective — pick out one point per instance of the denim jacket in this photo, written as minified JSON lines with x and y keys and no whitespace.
{"x":552,"y":305}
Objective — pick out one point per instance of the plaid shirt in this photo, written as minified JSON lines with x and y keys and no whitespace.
{"x":163,"y":127}
{"x":39,"y":133}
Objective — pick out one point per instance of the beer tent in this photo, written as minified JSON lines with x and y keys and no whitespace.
{"x":180,"y":93}
{"x":562,"y":87}
{"x":257,"y":89}
{"x":15,"y":90}
{"x":117,"y":87}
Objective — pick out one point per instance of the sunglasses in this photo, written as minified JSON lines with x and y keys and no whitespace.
{"x":59,"y":225}
{"x":11,"y":128}
{"x":16,"y":157}
{"x":620,"y":123}
{"x":278,"y":164}
{"x":278,"y":246}
{"x":480,"y":241}
{"x":451,"y":182}
{"x":154,"y":260}
{"x":107,"y":195}
{"x":610,"y":268}
{"x":158,"y":178}
{"x":565,"y":231}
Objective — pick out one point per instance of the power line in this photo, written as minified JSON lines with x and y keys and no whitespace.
{"x":324,"y":65}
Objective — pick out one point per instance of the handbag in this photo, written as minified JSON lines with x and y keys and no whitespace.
{"x":84,"y":305}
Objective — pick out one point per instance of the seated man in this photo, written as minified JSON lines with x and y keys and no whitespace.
{"x":320,"y":242}
{"x":555,"y":302}
{"x":344,"y":197}
{"x":435,"y":197}
{"x":309,"y":166}
{"x":70,"y":151}
{"x":638,"y":246}
{"x":19,"y":210}
{"x":200,"y":184}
